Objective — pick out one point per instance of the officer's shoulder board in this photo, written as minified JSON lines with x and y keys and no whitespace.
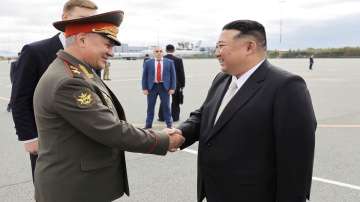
{"x":77,"y":71}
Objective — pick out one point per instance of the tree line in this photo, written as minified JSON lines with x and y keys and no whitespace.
{"x":345,"y":52}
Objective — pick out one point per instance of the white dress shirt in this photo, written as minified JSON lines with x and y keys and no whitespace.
{"x":235,"y":85}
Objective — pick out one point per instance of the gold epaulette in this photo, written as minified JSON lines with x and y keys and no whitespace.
{"x":74,"y":70}
{"x":84,"y":70}
{"x":71,"y":69}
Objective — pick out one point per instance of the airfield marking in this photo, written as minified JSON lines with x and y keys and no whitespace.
{"x":4,"y":98}
{"x":336,"y":183}
{"x":341,"y":184}
{"x":319,"y":125}
{"x":339,"y":126}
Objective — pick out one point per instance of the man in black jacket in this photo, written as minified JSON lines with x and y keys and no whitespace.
{"x":177,"y":97}
{"x":256,"y":127}
{"x":32,"y":63}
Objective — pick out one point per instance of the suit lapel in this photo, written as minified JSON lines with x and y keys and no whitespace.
{"x":243,"y":96}
{"x":213,"y":105}
{"x":218,"y":95}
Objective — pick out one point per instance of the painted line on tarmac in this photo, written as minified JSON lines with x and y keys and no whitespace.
{"x":340,"y":184}
{"x":122,"y":80}
{"x":15,"y":184}
{"x":4,"y":99}
{"x":339,"y":126}
{"x":159,"y":125}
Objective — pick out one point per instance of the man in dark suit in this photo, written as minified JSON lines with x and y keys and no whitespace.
{"x":158,"y":79}
{"x":177,"y":97}
{"x":256,"y":127}
{"x":147,"y":56}
{"x":311,"y":62}
{"x":83,"y":132}
{"x":32,"y":63}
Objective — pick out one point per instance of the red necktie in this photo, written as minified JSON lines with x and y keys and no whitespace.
{"x":158,"y":72}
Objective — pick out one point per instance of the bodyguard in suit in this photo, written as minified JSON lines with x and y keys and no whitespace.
{"x":158,"y":78}
{"x":82,"y":127}
{"x":177,"y":97}
{"x":12,"y":72}
{"x":256,"y":127}
{"x":311,"y":62}
{"x":32,"y":63}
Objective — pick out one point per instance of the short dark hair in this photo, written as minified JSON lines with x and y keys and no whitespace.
{"x":249,"y":27}
{"x":170,"y":48}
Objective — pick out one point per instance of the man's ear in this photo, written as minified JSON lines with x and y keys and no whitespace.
{"x":64,"y":16}
{"x":251,"y":46}
{"x":81,"y":39}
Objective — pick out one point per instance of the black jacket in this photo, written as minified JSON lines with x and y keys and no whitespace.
{"x":261,"y":149}
{"x":32,"y":63}
{"x":179,"y":68}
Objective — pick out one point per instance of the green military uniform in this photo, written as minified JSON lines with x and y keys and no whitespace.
{"x":83,"y":135}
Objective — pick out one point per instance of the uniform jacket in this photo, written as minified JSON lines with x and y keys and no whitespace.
{"x":261,"y":149}
{"x":32,"y":63}
{"x":168,"y":74}
{"x":83,"y":134}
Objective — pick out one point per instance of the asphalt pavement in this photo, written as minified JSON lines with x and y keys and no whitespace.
{"x":334,"y":85}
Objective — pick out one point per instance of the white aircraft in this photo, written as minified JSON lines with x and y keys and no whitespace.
{"x":183,"y":49}
{"x":187,"y":49}
{"x":132,"y":55}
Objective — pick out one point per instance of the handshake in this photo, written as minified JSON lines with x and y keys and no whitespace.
{"x":175,"y":138}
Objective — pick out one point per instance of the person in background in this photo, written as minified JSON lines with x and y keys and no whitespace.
{"x":158,"y":79}
{"x":106,"y":75}
{"x":12,"y":73}
{"x":147,"y":56}
{"x":178,"y":96}
{"x":311,"y":62}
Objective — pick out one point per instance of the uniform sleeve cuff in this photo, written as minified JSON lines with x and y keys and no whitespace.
{"x":161,"y":144}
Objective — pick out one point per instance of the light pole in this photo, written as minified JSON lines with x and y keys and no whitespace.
{"x":280,"y":35}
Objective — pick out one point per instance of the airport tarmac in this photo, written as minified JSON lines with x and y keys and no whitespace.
{"x":334,"y":85}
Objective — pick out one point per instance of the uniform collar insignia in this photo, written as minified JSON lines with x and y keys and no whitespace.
{"x":86,"y":71}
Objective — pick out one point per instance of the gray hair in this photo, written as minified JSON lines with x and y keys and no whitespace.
{"x":69,"y":40}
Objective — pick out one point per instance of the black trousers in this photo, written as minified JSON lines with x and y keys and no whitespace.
{"x":175,"y":110}
{"x":33,"y":158}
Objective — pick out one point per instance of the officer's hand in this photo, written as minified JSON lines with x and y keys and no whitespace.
{"x":175,"y":139}
{"x":31,"y":147}
{"x":171,"y":91}
{"x":146,"y":92}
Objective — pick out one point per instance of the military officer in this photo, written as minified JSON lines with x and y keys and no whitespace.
{"x":106,"y":75}
{"x":82,"y":128}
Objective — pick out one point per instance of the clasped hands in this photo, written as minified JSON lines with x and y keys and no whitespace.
{"x":175,"y":138}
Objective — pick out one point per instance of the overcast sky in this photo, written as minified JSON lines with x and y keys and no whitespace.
{"x":305,"y":23}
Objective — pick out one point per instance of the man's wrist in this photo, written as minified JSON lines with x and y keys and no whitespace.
{"x":29,"y":141}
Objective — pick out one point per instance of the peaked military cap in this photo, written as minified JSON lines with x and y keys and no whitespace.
{"x":105,"y":24}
